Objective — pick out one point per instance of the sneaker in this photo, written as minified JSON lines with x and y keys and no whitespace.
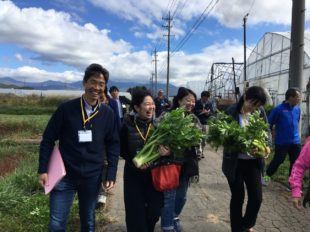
{"x":266,"y":180}
{"x":101,"y":201}
{"x":177,"y":225}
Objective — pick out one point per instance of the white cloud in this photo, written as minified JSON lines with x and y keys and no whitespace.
{"x":54,"y":37}
{"x":228,"y":13}
{"x":183,"y":67}
{"x":262,"y":11}
{"x":32,"y":74}
{"x":143,"y":11}
{"x":195,"y":67}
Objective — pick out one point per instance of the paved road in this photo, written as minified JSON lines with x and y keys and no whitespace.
{"x":207,"y":208}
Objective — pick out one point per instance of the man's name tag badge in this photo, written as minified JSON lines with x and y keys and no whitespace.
{"x":85,"y":136}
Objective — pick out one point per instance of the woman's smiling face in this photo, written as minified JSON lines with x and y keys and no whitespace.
{"x":146,"y":109}
{"x":188,"y":102}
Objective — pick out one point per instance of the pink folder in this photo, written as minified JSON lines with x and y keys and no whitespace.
{"x":55,"y":171}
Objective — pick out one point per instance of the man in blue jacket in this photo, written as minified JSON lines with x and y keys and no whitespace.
{"x":85,"y":128}
{"x":285,"y":117}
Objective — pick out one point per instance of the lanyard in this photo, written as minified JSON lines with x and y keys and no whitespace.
{"x":83,"y":114}
{"x":140,"y":133}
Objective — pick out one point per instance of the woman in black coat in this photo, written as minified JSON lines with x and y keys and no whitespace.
{"x":142,"y":202}
{"x":245,"y":169}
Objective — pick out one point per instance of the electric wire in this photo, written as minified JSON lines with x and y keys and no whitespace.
{"x":197,"y":23}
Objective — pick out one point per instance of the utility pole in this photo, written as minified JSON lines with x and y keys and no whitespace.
{"x":212,"y":77}
{"x":152,"y":83}
{"x":244,"y":47}
{"x":297,"y":44}
{"x":235,"y":85}
{"x":155,"y":60}
{"x":169,"y":19}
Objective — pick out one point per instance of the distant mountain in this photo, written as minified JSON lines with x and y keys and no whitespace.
{"x":10,"y":86}
{"x":45,"y":85}
{"x":78,"y":85}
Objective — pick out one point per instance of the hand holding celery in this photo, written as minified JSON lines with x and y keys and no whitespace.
{"x":225,"y":131}
{"x":176,"y":131}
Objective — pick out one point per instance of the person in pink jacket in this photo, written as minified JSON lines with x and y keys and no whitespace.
{"x":297,"y":174}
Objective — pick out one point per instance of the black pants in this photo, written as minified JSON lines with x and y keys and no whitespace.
{"x":292,"y":150}
{"x":142,"y":202}
{"x":248,"y":172}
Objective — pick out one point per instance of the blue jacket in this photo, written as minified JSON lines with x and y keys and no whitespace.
{"x":113,"y":105}
{"x":81,"y":159}
{"x":286,"y":119}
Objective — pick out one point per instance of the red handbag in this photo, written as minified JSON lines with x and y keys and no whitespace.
{"x":166,"y":177}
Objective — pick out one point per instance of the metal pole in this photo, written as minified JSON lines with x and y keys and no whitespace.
{"x":155,"y":71}
{"x":297,"y":44}
{"x":234,"y":73}
{"x":244,"y":46}
{"x":168,"y":56}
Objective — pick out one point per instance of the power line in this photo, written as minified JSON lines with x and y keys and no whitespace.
{"x":169,"y":8}
{"x":176,"y":9}
{"x":249,"y":11}
{"x":195,"y":25}
{"x":180,"y":9}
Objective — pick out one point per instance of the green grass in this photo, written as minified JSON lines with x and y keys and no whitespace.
{"x":23,"y":206}
{"x":281,"y":175}
{"x":30,"y":104}
{"x":14,"y":127}
{"x":27,"y":110}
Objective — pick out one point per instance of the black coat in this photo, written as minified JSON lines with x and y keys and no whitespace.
{"x":131,"y":141}
{"x":203,"y":118}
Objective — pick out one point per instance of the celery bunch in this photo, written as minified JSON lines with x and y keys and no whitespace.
{"x":175,"y":130}
{"x":225,"y":131}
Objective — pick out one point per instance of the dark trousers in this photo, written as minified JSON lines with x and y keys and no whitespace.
{"x":142,"y":202}
{"x":247,"y":172}
{"x":292,"y":150}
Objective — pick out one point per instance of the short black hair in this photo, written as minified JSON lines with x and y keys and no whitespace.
{"x":113,"y":88}
{"x":182,"y":92}
{"x":138,"y":96}
{"x":205,"y":94}
{"x":291,"y":92}
{"x":95,"y":69}
{"x":255,"y":93}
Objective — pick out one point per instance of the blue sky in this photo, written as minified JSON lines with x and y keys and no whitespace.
{"x":56,"y":39}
